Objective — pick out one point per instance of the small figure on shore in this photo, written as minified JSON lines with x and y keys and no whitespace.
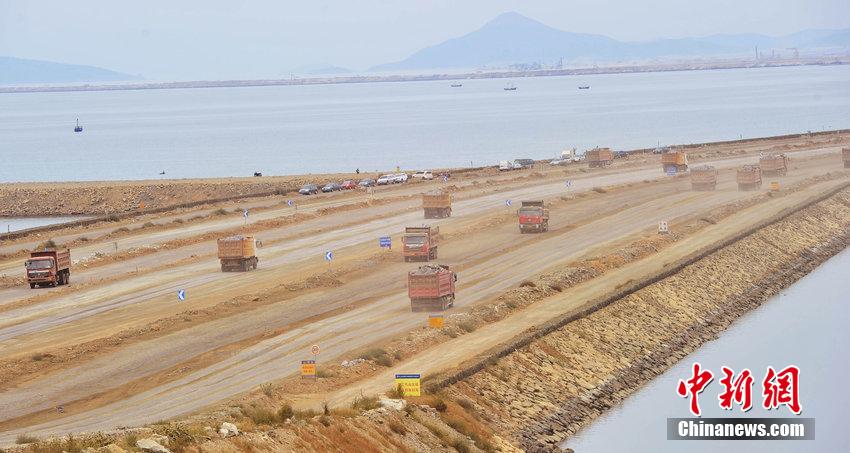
{"x":162,"y":172}
{"x":357,"y":171}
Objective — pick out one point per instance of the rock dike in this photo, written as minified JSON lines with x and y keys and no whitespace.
{"x":546,"y":386}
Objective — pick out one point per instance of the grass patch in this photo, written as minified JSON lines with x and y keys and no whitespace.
{"x":121,"y":230}
{"x":220,"y":211}
{"x":83,"y":239}
{"x":600,"y":190}
{"x":267,"y":390}
{"x":467,"y":326}
{"x":112,"y":218}
{"x":261,"y":416}
{"x":26,"y":439}
{"x":285,"y":412}
{"x":323,"y":373}
{"x":397,"y":427}
{"x":178,"y":221}
{"x":365,"y":403}
{"x":464,"y":403}
{"x":304,"y":415}
{"x":148,"y":225}
{"x":528,"y":284}
{"x":556,"y":287}
{"x":460,"y":446}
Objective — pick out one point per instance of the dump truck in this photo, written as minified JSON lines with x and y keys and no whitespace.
{"x":674,"y":161}
{"x":773,"y":164}
{"x":845,"y":154}
{"x":703,"y":177}
{"x":237,"y":253}
{"x":437,"y":205}
{"x":749,"y":177}
{"x":420,"y":243}
{"x":431,"y":287}
{"x":49,"y":268}
{"x":533,"y":217}
{"x":599,"y":157}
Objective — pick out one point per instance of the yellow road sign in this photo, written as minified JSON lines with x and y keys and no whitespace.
{"x":409,"y":384}
{"x":435,"y":321}
{"x":308,"y":369}
{"x":774,"y":186}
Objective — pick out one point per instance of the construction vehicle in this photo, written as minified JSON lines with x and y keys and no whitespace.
{"x":599,"y":157}
{"x":49,"y":268}
{"x":845,"y":154}
{"x":749,"y":177}
{"x":437,"y":204}
{"x":533,"y":217}
{"x":569,"y":155}
{"x":237,"y":253}
{"x":420,"y":243}
{"x":431,"y":287}
{"x":674,"y":161}
{"x":773,"y":164}
{"x":703,"y":177}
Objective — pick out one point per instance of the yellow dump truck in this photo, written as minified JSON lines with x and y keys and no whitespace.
{"x":437,"y":204}
{"x":749,"y":177}
{"x":674,"y":162}
{"x":845,"y":154}
{"x":599,"y":157}
{"x":703,"y":177}
{"x":773,"y":164}
{"x":237,"y":253}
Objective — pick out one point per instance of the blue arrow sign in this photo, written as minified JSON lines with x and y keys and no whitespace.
{"x":568,"y":183}
{"x":329,"y":255}
{"x":245,"y":213}
{"x":507,"y":202}
{"x":671,"y":171}
{"x":386,"y":241}
{"x":290,"y":203}
{"x":181,"y":295}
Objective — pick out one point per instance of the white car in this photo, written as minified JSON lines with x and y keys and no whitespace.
{"x":385,"y":179}
{"x":505,"y":166}
{"x":558,"y":162}
{"x":400,"y":177}
{"x":424,"y":175}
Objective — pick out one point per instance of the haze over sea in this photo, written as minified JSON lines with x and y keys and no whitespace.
{"x":221,"y":132}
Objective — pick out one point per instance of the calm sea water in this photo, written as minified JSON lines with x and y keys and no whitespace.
{"x":9,"y":224}
{"x":806,"y":325}
{"x":375,"y":126}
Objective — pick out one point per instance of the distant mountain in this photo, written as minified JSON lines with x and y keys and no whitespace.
{"x":321,"y":69}
{"x":512,"y":38}
{"x":15,"y":71}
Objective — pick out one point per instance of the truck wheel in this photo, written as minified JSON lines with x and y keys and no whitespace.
{"x":32,"y":285}
{"x":255,"y":263}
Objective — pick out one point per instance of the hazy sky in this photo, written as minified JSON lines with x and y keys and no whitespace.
{"x":211,"y":39}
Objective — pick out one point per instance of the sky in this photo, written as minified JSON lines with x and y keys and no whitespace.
{"x":213,"y":39}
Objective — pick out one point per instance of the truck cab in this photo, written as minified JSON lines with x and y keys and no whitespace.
{"x":420,"y":243}
{"x":49,"y":267}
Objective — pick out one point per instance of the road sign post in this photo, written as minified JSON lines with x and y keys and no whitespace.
{"x":314,"y":349}
{"x":508,"y":203}
{"x":409,"y":384}
{"x":308,"y":369}
{"x":436,"y":321}
{"x":329,"y":256}
{"x":181,"y":295}
{"x":663,"y":227}
{"x":386,"y":242}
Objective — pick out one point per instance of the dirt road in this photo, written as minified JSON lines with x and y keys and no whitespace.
{"x":155,"y":378}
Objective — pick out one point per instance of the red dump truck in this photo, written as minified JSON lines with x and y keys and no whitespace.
{"x":437,"y":205}
{"x":431,"y":287}
{"x":420,"y":243}
{"x":773,"y":164}
{"x":49,"y":267}
{"x":703,"y":177}
{"x":237,"y":253}
{"x":674,"y":162}
{"x":533,"y":217}
{"x":749,"y":177}
{"x":599,"y":157}
{"x":845,"y":154}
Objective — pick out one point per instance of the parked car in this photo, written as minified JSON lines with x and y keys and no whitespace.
{"x":524,"y":163}
{"x":516,"y":165}
{"x":558,"y":162}
{"x":386,"y":179}
{"x":331,"y":187}
{"x":368,"y":182}
{"x":505,"y":165}
{"x":309,"y":189}
{"x":424,"y":175}
{"x":348,"y":185}
{"x":621,"y":154}
{"x":400,"y":177}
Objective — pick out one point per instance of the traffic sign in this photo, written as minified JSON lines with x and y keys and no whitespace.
{"x":435,"y":321}
{"x":329,"y":255}
{"x":386,"y":241}
{"x":308,"y":369}
{"x":662,"y":227}
{"x":507,"y":202}
{"x":774,"y":186}
{"x":290,"y":203}
{"x":409,"y":384}
{"x":445,"y":178}
{"x":181,"y":295}
{"x":671,"y":171}
{"x":245,"y":213}
{"x":568,"y":183}
{"x":314,"y":349}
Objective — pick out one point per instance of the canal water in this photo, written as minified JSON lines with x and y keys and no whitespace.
{"x":806,"y":325}
{"x":9,"y":224}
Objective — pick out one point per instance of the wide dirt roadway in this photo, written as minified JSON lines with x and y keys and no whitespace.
{"x":178,"y":369}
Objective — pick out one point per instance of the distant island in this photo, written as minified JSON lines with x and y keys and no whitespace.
{"x":23,"y":71}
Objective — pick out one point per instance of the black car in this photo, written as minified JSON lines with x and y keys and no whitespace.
{"x":368,"y":182}
{"x":309,"y":189}
{"x":621,"y":154}
{"x":331,"y":187}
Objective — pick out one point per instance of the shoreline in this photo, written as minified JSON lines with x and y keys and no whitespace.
{"x":692,"y":65}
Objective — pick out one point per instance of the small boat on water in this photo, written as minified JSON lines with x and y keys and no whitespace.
{"x":78,"y":128}
{"x":510,"y":87}
{"x":584,"y":87}
{"x":457,"y":85}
